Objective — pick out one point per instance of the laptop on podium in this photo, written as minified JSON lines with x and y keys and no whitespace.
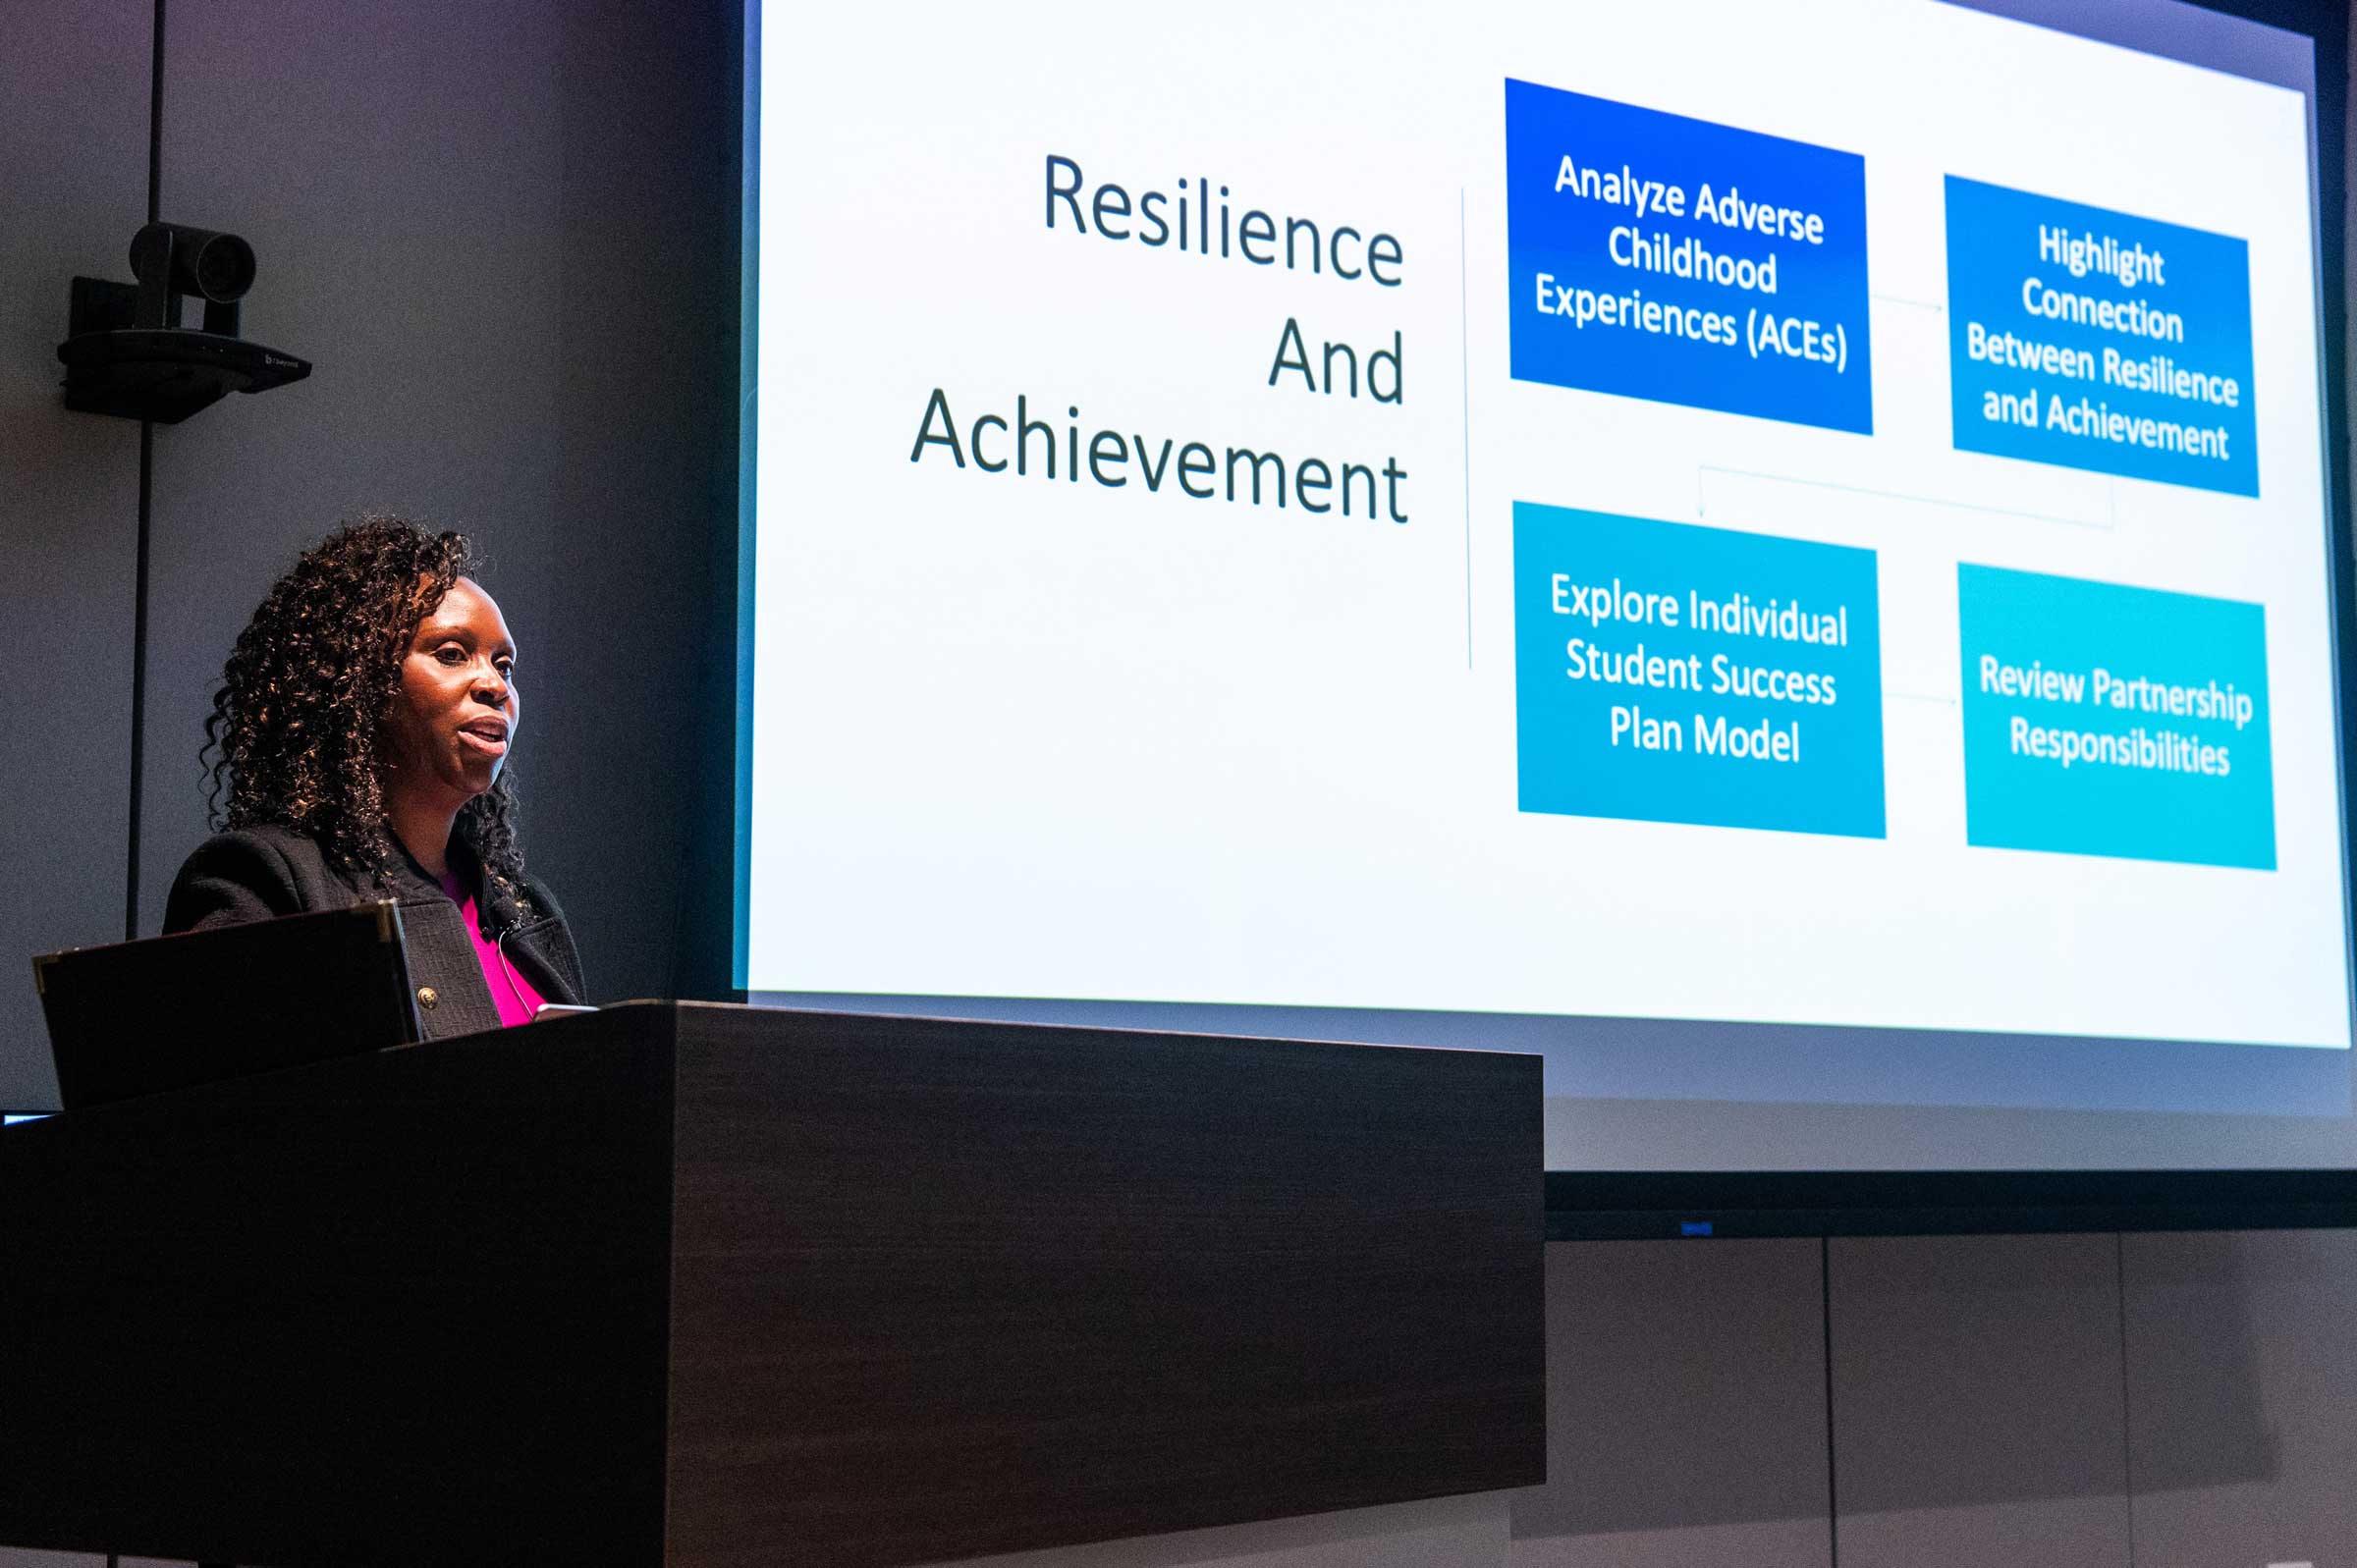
{"x":142,"y":1017}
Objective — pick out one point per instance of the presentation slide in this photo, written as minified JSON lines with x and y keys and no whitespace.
{"x":1778,"y":554}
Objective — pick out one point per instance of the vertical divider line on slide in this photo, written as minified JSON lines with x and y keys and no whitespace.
{"x":1464,"y":389}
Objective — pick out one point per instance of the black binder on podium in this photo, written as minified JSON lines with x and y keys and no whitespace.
{"x":708,"y":1286}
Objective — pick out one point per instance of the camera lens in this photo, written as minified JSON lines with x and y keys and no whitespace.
{"x":224,"y":267}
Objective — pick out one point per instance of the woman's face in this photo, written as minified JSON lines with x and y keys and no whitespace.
{"x":453,"y":717}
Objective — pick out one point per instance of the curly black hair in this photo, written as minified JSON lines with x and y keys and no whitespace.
{"x":295,"y":727}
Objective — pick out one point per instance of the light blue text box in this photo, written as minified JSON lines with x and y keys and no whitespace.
{"x":2055,"y":760}
{"x":1591,"y":743}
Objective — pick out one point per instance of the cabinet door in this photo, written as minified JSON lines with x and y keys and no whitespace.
{"x":1977,"y":1415}
{"x":1685,"y":1408}
{"x":2242,"y":1396}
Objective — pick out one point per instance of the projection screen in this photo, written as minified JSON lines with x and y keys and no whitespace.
{"x":1781,"y":556}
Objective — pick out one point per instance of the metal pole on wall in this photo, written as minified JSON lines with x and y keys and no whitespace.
{"x":139,"y":614}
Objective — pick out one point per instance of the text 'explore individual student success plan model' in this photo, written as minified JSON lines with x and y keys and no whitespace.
{"x":2097,"y":340}
{"x":1670,"y":672}
{"x":1664,"y":257}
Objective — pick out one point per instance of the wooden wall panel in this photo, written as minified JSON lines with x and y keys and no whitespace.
{"x":2242,"y":1396}
{"x":1685,"y":1408}
{"x":1977,"y":1415}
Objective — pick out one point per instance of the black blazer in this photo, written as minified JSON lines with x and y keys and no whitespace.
{"x":263,"y":872}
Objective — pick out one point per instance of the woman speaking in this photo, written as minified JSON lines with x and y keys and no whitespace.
{"x":361,"y":730}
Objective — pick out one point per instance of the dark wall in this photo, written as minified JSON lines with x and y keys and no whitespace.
{"x":506,"y":237}
{"x":72,"y":186}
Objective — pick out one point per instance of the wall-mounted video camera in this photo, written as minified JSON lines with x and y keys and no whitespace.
{"x":127,"y":353}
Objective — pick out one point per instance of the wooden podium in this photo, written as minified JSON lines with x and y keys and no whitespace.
{"x":693,"y":1284}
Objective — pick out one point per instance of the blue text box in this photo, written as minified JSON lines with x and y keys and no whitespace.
{"x":1655,"y":257}
{"x":2103,"y":720}
{"x":1711,"y":635}
{"x":2092,"y":339}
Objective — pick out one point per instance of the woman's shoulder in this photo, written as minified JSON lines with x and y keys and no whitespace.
{"x":282,"y":852}
{"x":253,"y":873}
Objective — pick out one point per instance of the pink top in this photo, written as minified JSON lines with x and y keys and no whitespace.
{"x":517,"y":1000}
